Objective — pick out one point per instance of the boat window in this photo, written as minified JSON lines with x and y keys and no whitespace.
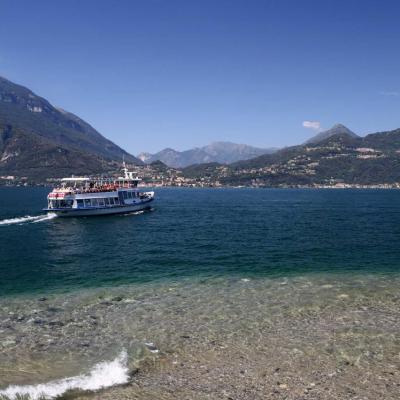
{"x":125,"y":194}
{"x":130,"y":195}
{"x":87,"y":202}
{"x":79,"y":203}
{"x":65,"y":203}
{"x":116,"y":200}
{"x":101,"y":202}
{"x":106,"y":201}
{"x":111,"y":200}
{"x":95,"y":202}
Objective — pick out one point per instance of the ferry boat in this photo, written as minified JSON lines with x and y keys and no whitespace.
{"x":83,"y":196}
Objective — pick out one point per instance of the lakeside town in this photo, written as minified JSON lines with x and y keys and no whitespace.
{"x":159,"y":175}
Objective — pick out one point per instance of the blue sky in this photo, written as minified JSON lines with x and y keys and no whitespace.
{"x":154,"y":74}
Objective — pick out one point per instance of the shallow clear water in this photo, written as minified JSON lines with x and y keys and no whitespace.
{"x":314,"y":273}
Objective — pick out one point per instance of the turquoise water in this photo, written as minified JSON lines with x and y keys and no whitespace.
{"x":199,"y":232}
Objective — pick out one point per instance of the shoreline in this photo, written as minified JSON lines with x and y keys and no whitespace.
{"x":304,"y":337}
{"x":382,"y":186}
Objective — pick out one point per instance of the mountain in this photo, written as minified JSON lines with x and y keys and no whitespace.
{"x":340,"y":158}
{"x":335,"y":130}
{"x":38,"y":140}
{"x":217,"y":152}
{"x":227,"y":152}
{"x":169,"y":157}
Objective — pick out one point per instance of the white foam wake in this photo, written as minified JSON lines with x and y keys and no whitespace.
{"x":45,"y":217}
{"x":102,"y":375}
{"x":28,"y":218}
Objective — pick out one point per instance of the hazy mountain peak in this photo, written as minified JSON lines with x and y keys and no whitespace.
{"x":337,"y":129}
{"x":340,"y":126}
{"x":143,"y":156}
{"x":222,"y":152}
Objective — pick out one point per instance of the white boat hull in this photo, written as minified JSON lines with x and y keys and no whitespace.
{"x":88,"y":212}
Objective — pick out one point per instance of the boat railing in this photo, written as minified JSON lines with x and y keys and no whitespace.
{"x":95,"y":189}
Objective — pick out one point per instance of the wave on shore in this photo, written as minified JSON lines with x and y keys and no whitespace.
{"x":101,"y":376}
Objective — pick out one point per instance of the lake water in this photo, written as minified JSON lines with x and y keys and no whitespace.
{"x":81,"y":297}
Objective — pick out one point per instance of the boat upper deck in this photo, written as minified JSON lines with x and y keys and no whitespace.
{"x":84,"y":185}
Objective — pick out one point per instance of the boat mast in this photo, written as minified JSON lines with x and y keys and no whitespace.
{"x":125,"y":169}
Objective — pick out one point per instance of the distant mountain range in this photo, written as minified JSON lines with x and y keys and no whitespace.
{"x":220,"y":152}
{"x":38,"y":140}
{"x":333,"y":157}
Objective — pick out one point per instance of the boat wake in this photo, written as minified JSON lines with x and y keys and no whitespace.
{"x":101,"y":376}
{"x":138,"y":212}
{"x":28,"y":219}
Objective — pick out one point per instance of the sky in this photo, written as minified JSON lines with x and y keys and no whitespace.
{"x":154,"y":74}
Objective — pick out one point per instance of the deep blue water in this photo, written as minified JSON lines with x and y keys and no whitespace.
{"x":200,"y":232}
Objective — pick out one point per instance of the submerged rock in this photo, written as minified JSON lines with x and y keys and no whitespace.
{"x":152,"y":347}
{"x":56,"y":323}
